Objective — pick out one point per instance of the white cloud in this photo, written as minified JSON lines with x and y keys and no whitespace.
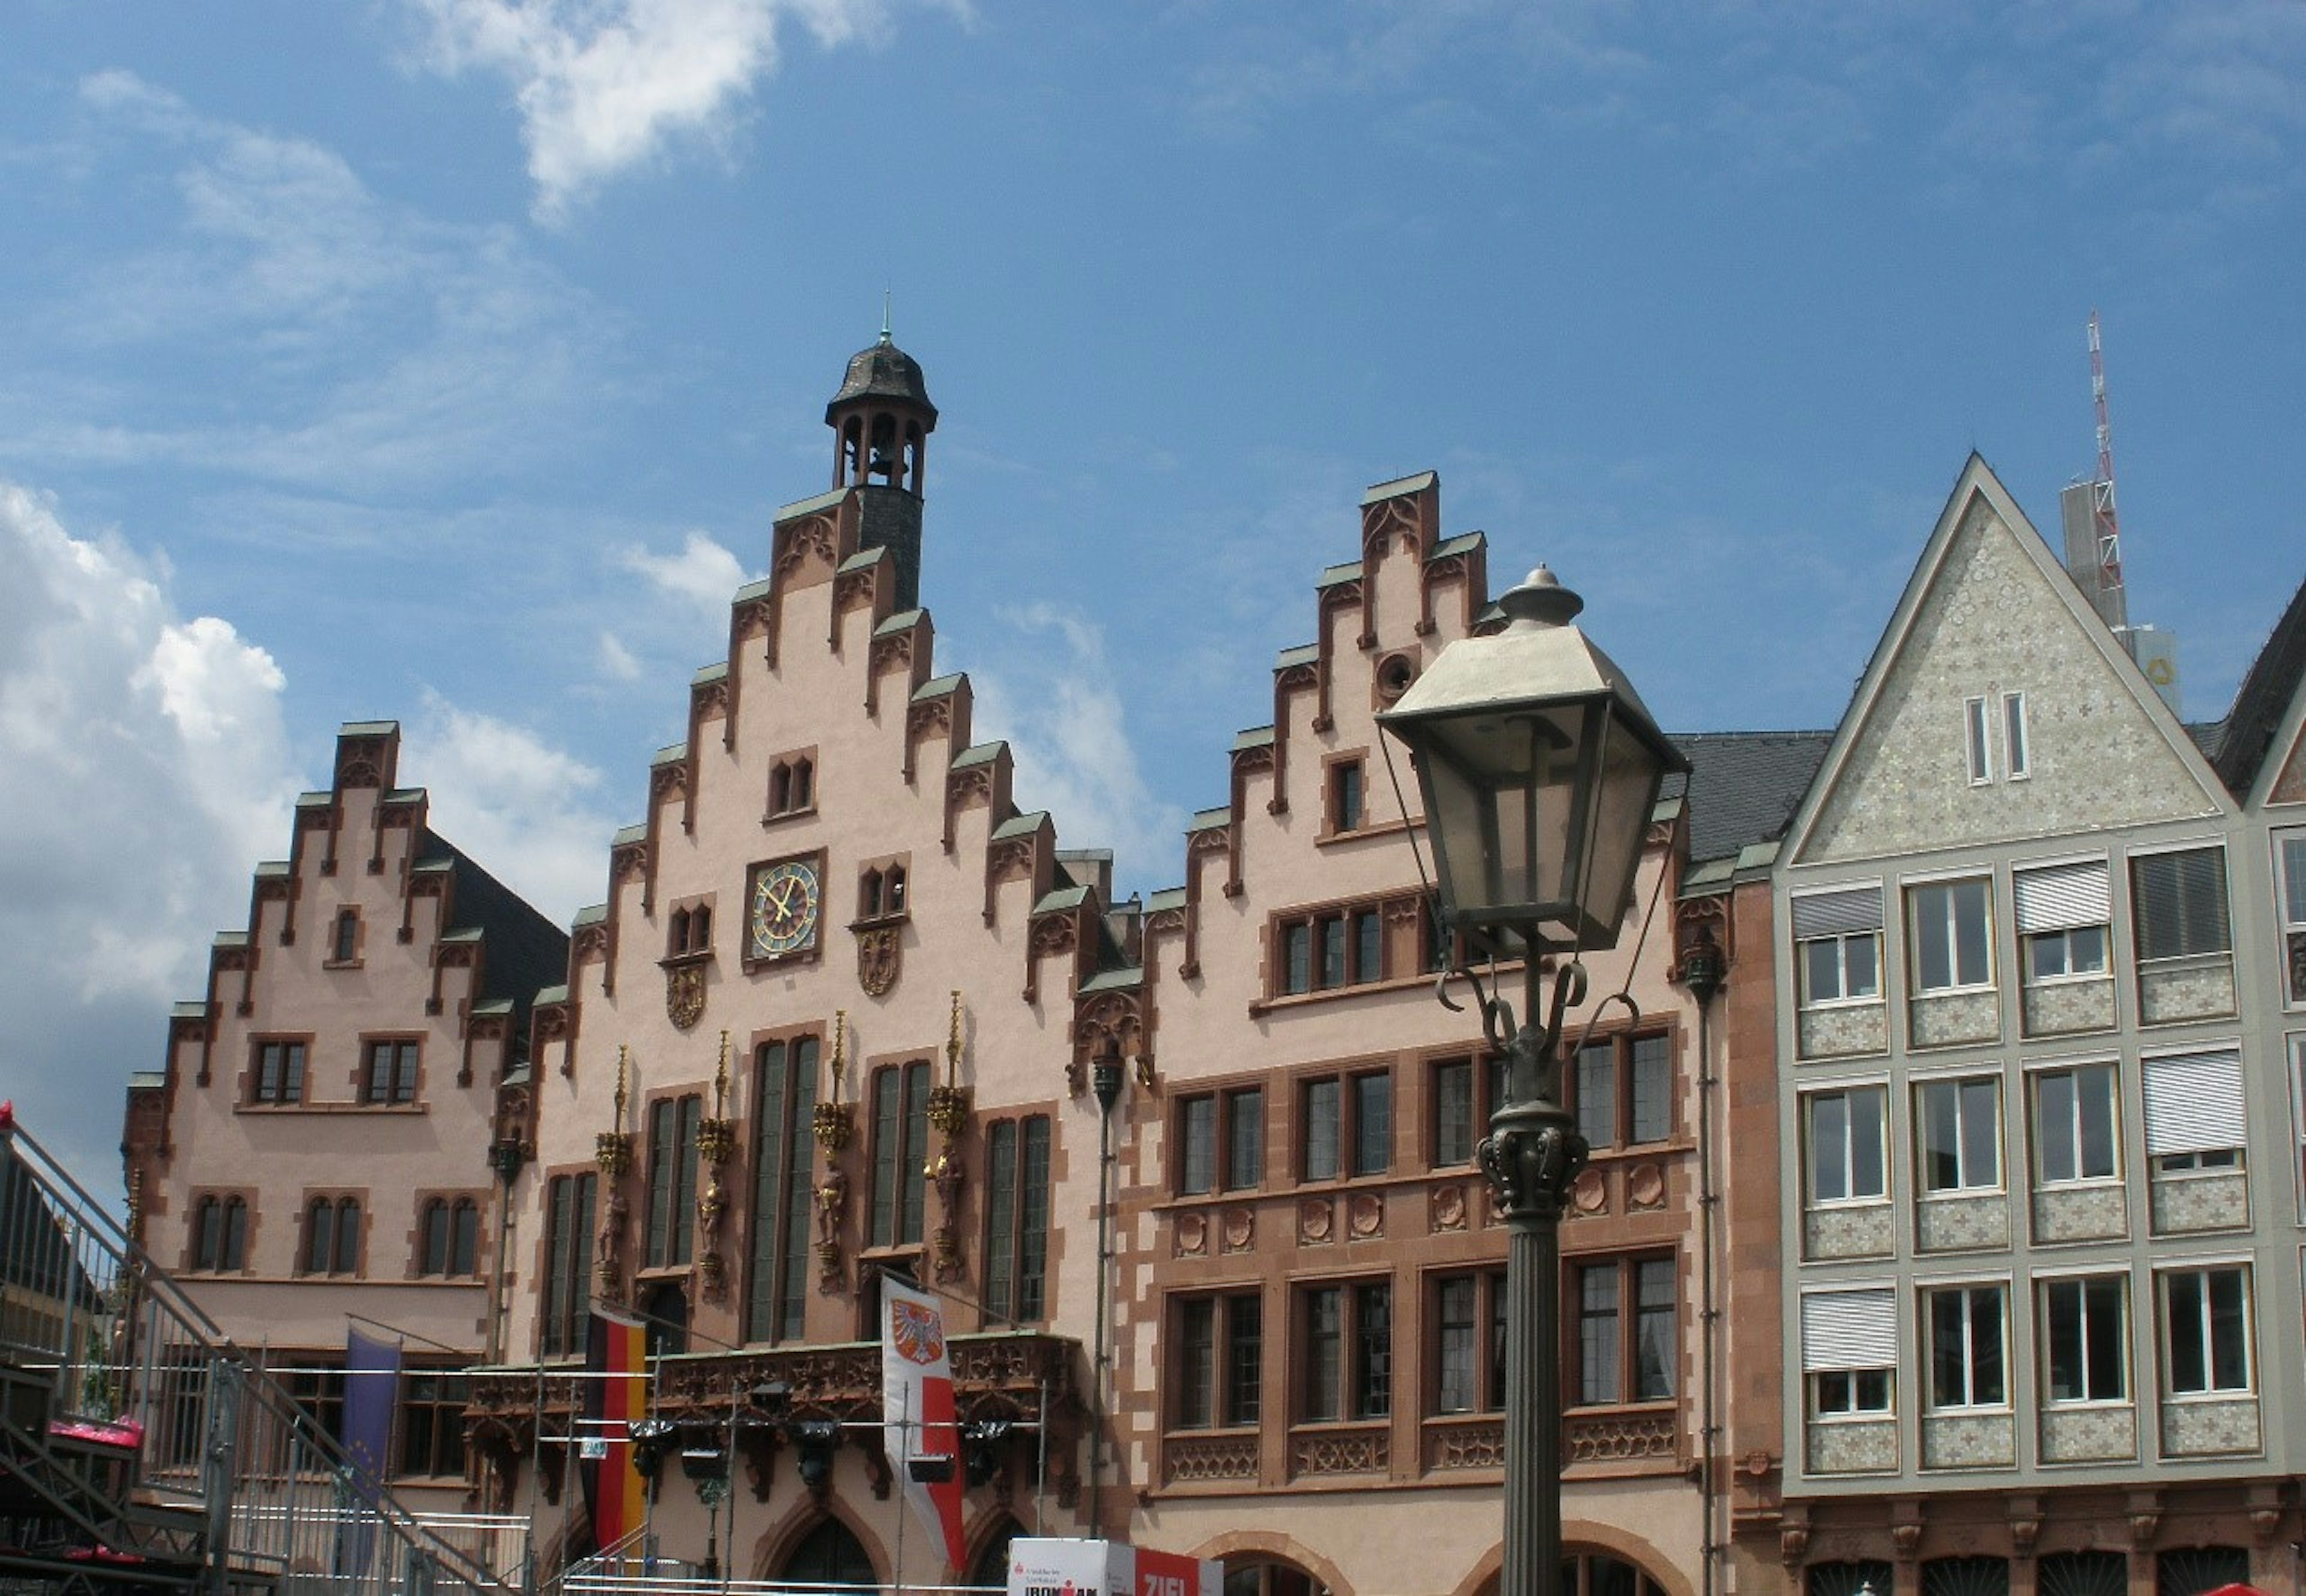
{"x":1051,"y":696}
{"x":702,"y":575}
{"x":617,"y":661}
{"x":143,"y":771}
{"x":524,"y":810}
{"x":320,"y":338}
{"x":607,"y":85}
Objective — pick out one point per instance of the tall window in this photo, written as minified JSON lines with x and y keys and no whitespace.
{"x":1975,"y":725}
{"x":1469,"y":1313}
{"x":1017,"y":1219}
{"x":2018,"y":755}
{"x":345,"y":945}
{"x":2206,"y":1330}
{"x":672,"y":1180}
{"x":1846,"y":1145}
{"x":2180,"y":900}
{"x":1623,"y":1091}
{"x":1464,"y":1100}
{"x":1967,"y":1350}
{"x":279,"y":1071}
{"x":2289,"y":881}
{"x":432,"y":1423}
{"x":2064,"y":911}
{"x":1960,"y":1128}
{"x":220,"y":1232}
{"x":2085,"y":1339}
{"x":1626,"y":1312}
{"x":2077,"y":1120}
{"x":1221,"y":1137}
{"x":783,"y":1163}
{"x":1346,"y":1125}
{"x":1952,"y":934}
{"x":332,"y":1236}
{"x":901,"y":1140}
{"x":448,"y":1236}
{"x":1220,"y":1362}
{"x":1348,"y":1341}
{"x":1838,"y":940}
{"x":391,"y":1073}
{"x":1345,"y":807}
{"x":569,"y":1220}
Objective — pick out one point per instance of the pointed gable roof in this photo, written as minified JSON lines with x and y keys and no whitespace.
{"x":2268,"y":702}
{"x":1989,"y":611}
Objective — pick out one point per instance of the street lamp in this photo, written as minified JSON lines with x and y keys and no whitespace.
{"x":1539,"y":766}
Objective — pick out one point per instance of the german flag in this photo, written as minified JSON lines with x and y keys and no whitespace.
{"x":616,"y":1395}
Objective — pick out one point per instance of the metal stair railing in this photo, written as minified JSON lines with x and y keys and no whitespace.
{"x":222,"y":1468}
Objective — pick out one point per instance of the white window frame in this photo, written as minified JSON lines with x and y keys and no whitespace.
{"x":1927,"y":1334}
{"x":2197,"y":1109}
{"x":1976,"y":744}
{"x":1965,"y":1185}
{"x":1849,"y":1151}
{"x":1841,"y":942}
{"x":2016,"y":756}
{"x":2290,"y":910}
{"x":1912,"y":891}
{"x":1868,"y":1314}
{"x":2044,"y":1341}
{"x":2164,"y":1324}
{"x":2036,"y":1125}
{"x":2051,"y":900}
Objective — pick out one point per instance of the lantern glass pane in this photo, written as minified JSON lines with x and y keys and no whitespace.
{"x":1630,"y":775}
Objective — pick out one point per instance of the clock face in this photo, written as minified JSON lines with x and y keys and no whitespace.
{"x":785,"y":909}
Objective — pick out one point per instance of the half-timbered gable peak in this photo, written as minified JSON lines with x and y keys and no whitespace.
{"x":1997,"y":707}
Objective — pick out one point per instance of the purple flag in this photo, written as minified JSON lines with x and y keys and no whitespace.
{"x":371,"y":1392}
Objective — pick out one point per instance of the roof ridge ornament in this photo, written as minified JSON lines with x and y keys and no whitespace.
{"x":886,"y":336}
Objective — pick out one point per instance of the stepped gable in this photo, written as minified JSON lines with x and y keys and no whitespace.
{"x":1379,"y":621}
{"x":483,"y":926}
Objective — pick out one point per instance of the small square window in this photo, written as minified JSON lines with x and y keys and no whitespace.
{"x":1346,"y":807}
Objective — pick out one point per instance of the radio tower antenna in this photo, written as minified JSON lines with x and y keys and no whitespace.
{"x":2105,"y":524}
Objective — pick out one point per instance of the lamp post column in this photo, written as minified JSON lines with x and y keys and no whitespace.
{"x":1531,"y":1155}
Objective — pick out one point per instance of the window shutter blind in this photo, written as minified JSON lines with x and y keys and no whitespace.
{"x":1837,"y":913}
{"x":2182,"y":902}
{"x":2062,"y":897}
{"x":2194,"y":1103}
{"x":1849,"y":1330}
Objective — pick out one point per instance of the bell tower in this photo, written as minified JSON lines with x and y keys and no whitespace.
{"x":880,"y":421}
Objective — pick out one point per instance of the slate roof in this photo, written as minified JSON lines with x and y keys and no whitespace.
{"x":1744,"y":787}
{"x":2267,"y":686}
{"x":526,"y":951}
{"x":883,"y":371}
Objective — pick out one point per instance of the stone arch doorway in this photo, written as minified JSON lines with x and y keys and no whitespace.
{"x":1261,"y":1574}
{"x":1589,"y":1571}
{"x":991,"y":1566}
{"x":830,"y":1555}
{"x":667,"y":1311}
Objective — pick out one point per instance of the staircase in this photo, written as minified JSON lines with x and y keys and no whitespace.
{"x":141,"y":1450}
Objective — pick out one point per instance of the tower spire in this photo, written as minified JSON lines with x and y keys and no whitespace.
{"x":885,"y":339}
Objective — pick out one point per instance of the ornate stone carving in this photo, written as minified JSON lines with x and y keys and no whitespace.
{"x":1446,"y":1207}
{"x":832,"y":1212}
{"x":1193,"y":1235}
{"x":1214,"y":1457}
{"x":1615,"y":1438}
{"x":1238,"y":1229}
{"x":1466,"y":1444}
{"x":880,"y":954}
{"x":1316,"y":1221}
{"x":804,"y":540}
{"x":1645,"y":1187}
{"x":1365,"y":1452}
{"x":1365,"y":1215}
{"x":684,"y":994}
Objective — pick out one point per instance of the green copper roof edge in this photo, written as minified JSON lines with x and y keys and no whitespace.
{"x":802,"y":507}
{"x":1412,"y":483}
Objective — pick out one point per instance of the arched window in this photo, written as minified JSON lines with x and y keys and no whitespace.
{"x":992,"y":1565}
{"x":1966,"y":1576}
{"x":234,"y":1255}
{"x":208,"y":1233}
{"x":1847,"y":1579}
{"x":676,"y":943}
{"x":1259,"y":1574}
{"x":895,"y":897}
{"x":434,"y":1229}
{"x":348,"y":1236}
{"x":868,"y":896}
{"x":700,"y":927}
{"x":465,"y":1242}
{"x":830,"y":1556}
{"x":320,"y":1237}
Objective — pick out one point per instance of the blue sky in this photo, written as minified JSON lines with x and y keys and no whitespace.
{"x":445,"y":359}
